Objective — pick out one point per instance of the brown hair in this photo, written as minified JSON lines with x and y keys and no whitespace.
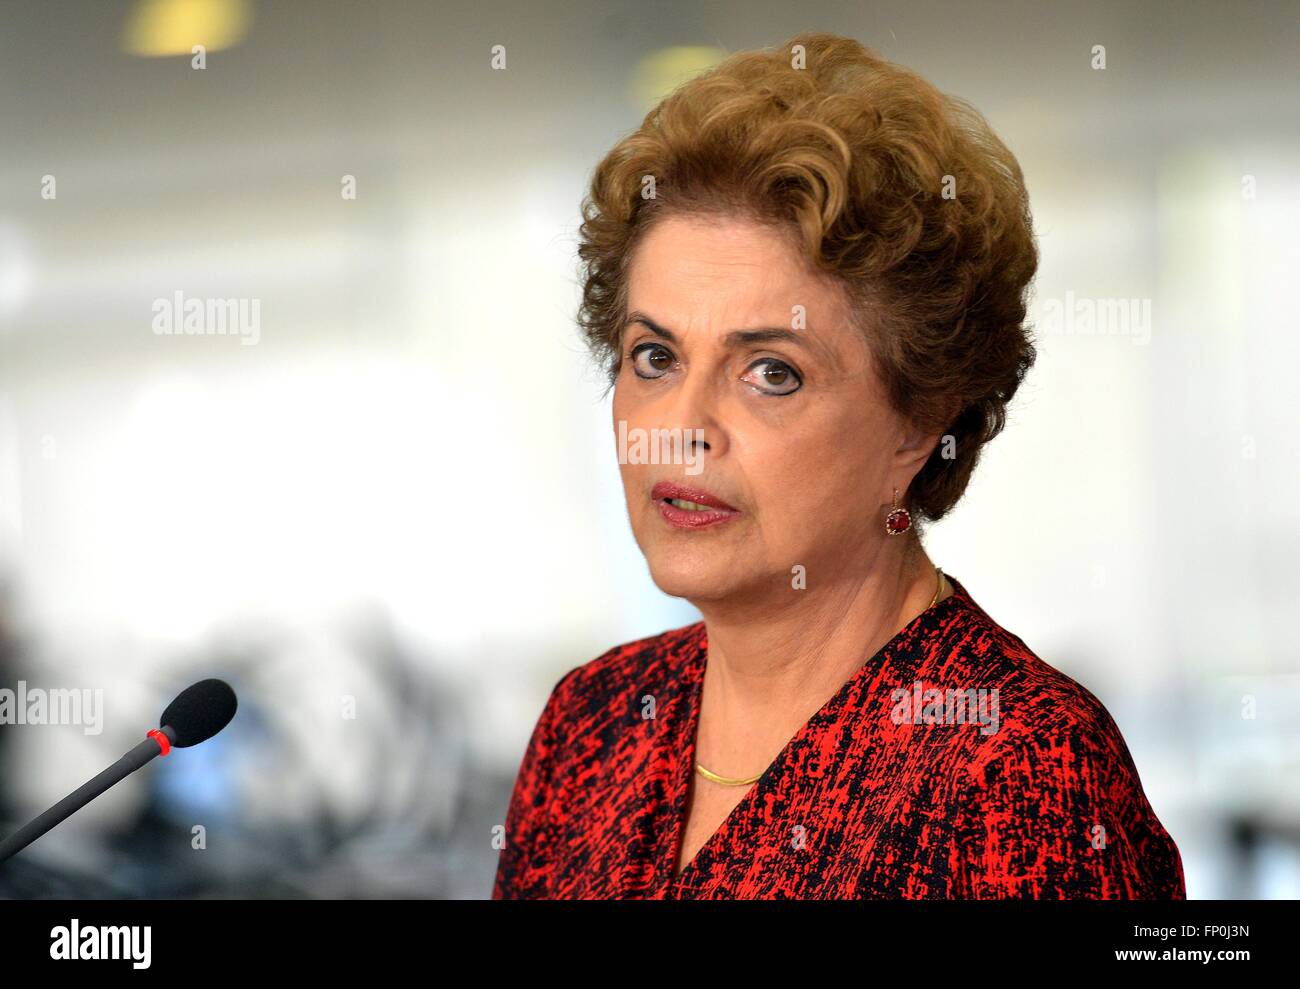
{"x":901,"y":193}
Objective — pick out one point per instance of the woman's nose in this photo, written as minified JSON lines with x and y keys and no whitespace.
{"x":696,"y":411}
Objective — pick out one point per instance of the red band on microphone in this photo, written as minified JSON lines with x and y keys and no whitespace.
{"x":163,"y":741}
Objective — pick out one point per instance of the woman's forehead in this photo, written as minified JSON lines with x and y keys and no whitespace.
{"x":739,"y":274}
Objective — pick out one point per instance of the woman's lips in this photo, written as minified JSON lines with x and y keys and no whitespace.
{"x":694,"y":508}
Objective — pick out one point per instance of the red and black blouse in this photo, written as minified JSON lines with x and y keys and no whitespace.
{"x":954,"y":764}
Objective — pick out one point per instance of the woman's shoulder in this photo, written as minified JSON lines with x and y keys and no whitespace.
{"x":1052,"y":731}
{"x":622,"y":674}
{"x":1035,"y":696}
{"x":671,"y":650}
{"x":1055,"y":780}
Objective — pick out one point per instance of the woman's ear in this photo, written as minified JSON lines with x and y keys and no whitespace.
{"x":918,"y":444}
{"x":915,"y":450}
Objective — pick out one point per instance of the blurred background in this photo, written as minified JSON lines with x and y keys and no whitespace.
{"x":388,"y":511}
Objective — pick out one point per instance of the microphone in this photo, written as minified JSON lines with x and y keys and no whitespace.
{"x":198,"y":712}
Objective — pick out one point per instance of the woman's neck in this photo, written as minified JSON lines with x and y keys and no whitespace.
{"x":773,"y":664}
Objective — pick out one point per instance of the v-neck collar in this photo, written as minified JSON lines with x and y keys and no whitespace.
{"x":897,"y":652}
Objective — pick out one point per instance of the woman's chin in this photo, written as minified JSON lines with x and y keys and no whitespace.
{"x":680,"y":581}
{"x":696,"y":580}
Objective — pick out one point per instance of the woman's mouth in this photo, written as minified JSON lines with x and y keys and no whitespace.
{"x":690,"y":508}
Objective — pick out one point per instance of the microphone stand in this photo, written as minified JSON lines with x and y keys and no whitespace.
{"x":158,"y":743}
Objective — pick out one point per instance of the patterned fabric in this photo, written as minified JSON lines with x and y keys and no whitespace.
{"x":908,"y":783}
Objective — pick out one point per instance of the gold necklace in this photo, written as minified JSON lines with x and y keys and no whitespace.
{"x":725,"y":781}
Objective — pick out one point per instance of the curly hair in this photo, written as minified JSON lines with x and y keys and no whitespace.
{"x":902,"y":194}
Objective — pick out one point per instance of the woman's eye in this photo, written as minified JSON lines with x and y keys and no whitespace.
{"x":773,"y":377}
{"x":651,"y":360}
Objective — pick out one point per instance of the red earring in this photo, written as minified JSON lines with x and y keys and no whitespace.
{"x":899,"y":519}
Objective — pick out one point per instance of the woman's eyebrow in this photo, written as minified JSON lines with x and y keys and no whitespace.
{"x":735,"y":338}
{"x":651,"y":325}
{"x":811,"y":344}
{"x":766,"y":334}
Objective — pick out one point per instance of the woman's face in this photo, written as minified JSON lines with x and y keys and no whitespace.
{"x":730,"y":335}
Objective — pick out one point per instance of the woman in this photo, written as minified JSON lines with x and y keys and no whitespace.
{"x":808,"y":269}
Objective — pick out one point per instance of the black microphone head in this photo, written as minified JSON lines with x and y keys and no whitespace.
{"x":199,"y":712}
